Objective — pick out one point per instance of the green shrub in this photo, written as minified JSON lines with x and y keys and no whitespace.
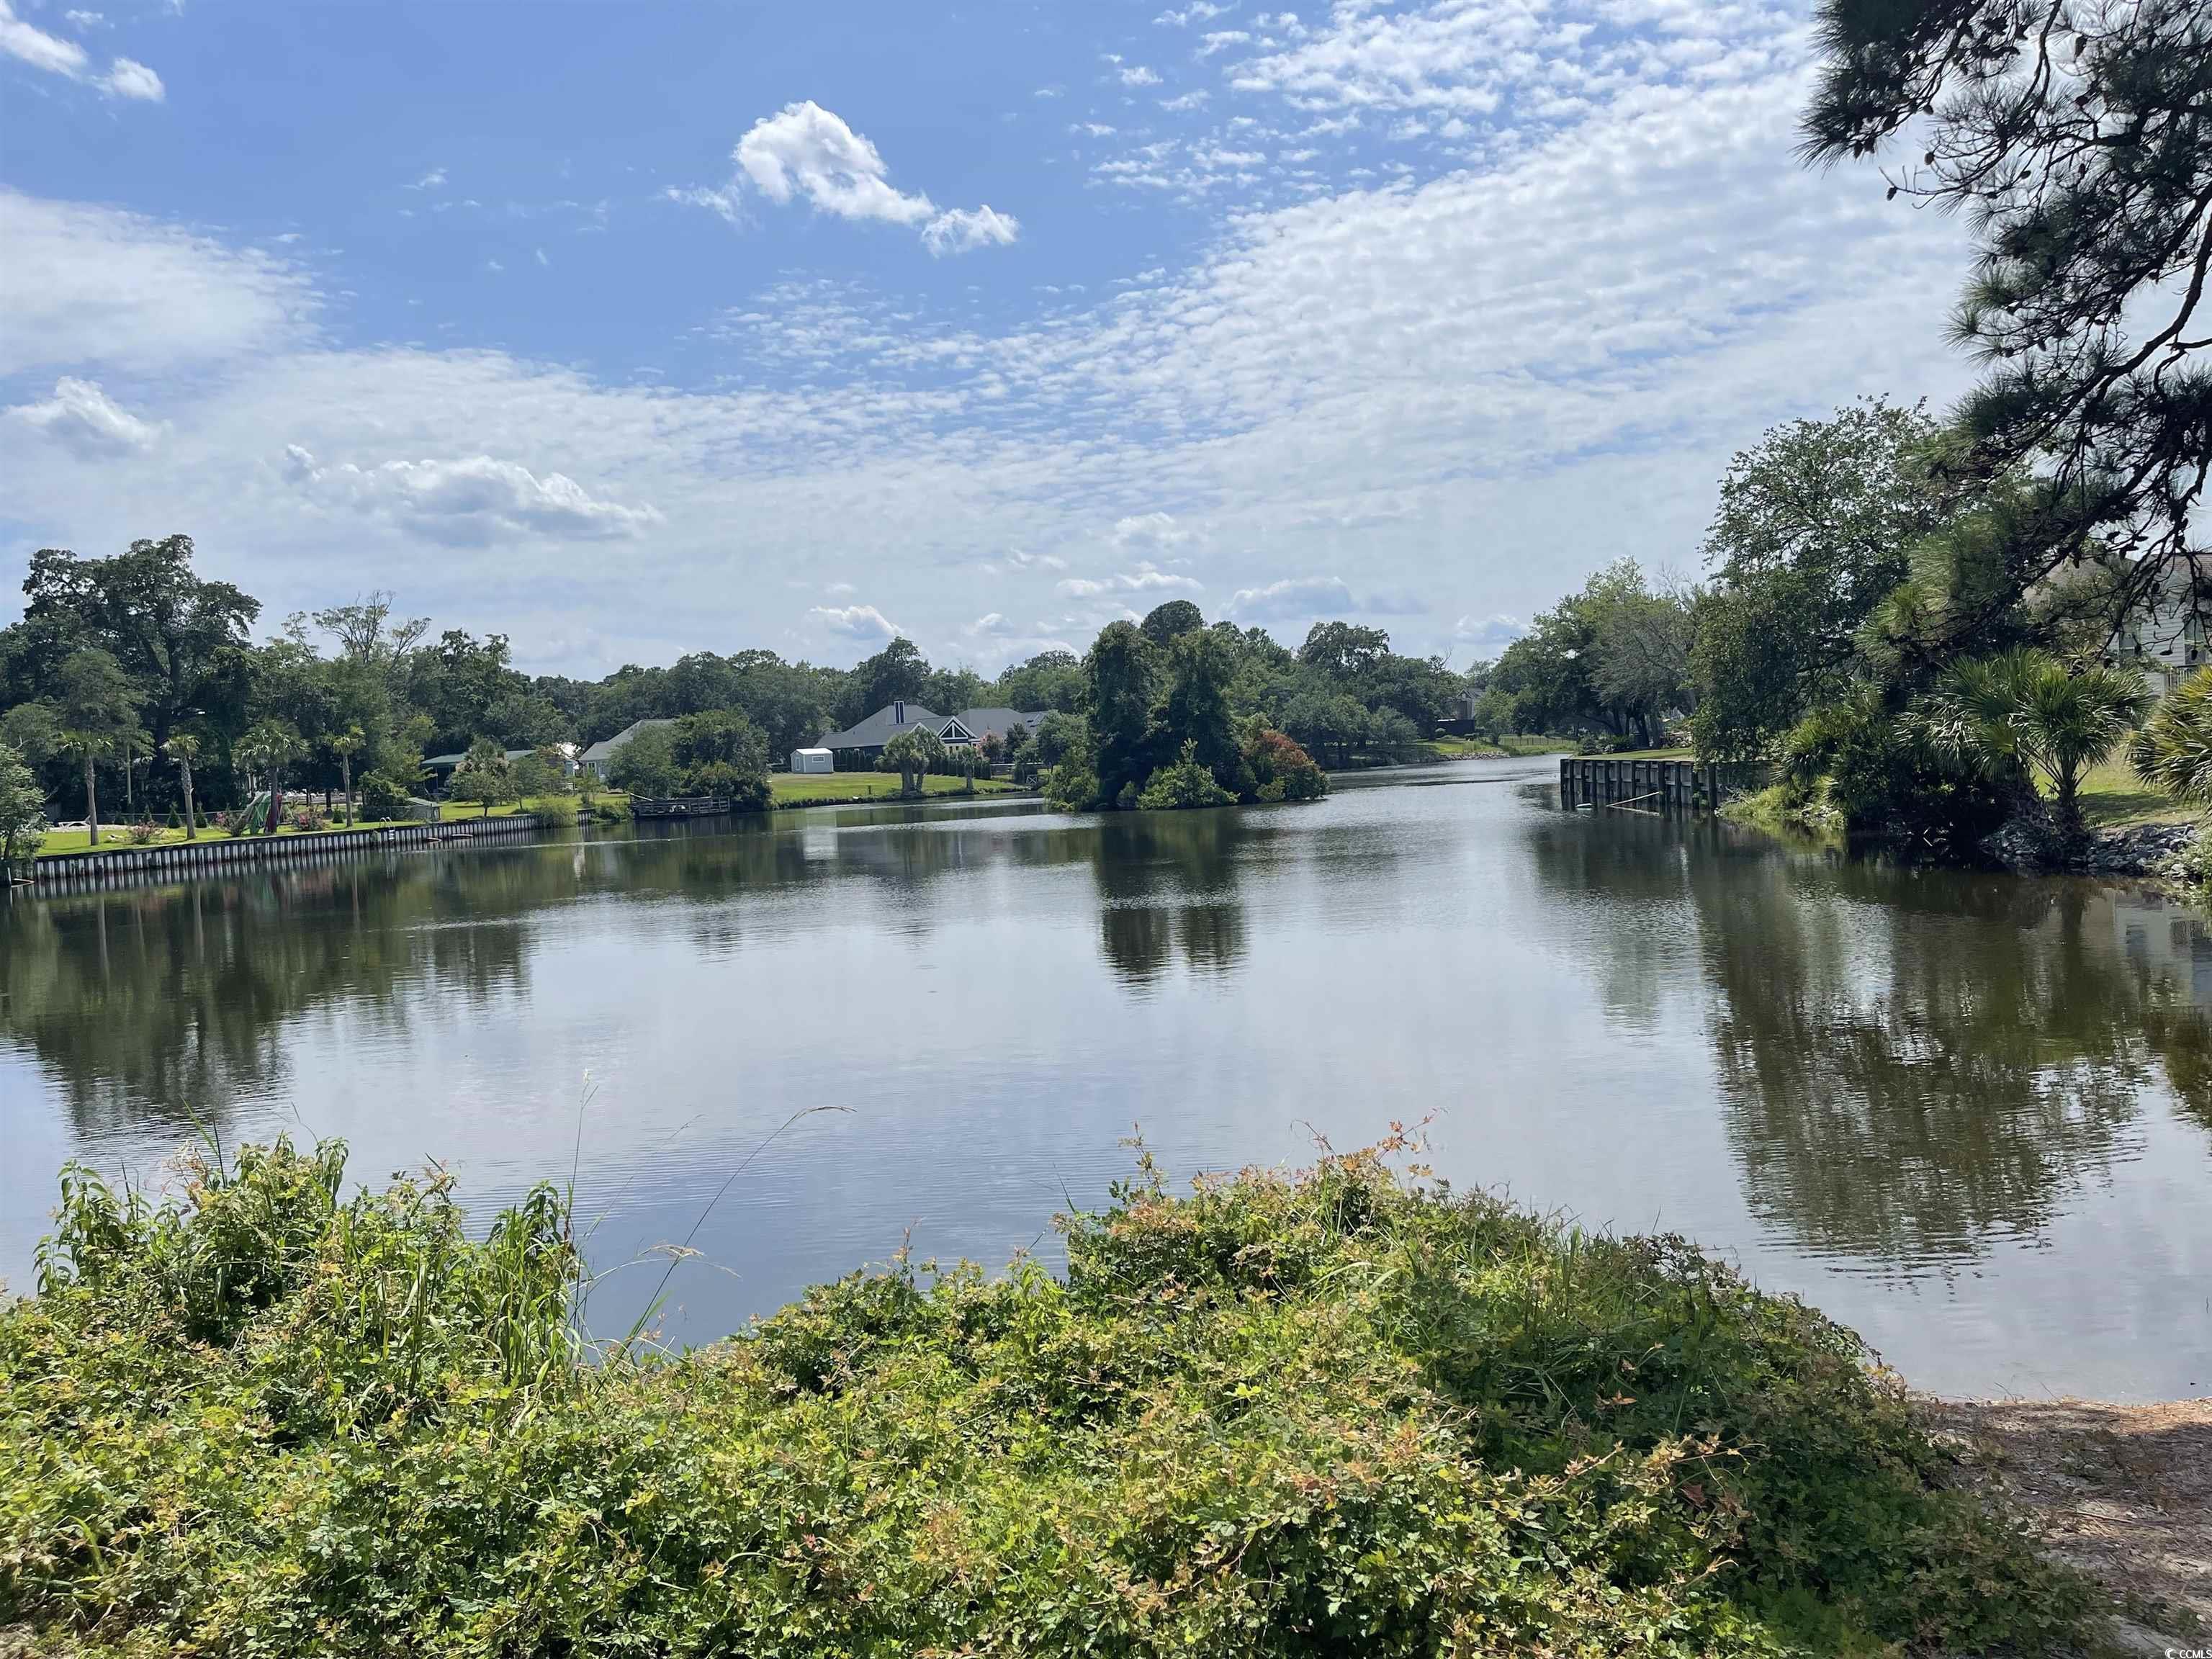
{"x":381,"y":798}
{"x":1184,"y":785}
{"x":1323,"y":1413}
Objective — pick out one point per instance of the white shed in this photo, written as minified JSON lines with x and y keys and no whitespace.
{"x":813,"y":760}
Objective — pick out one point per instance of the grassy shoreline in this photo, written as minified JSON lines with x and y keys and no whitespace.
{"x":1333,"y":1412}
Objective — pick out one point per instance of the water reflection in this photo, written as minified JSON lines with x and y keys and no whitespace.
{"x":1168,"y":883}
{"x":1890,"y":1074}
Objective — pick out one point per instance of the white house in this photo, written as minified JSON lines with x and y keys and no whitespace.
{"x":813,"y":760}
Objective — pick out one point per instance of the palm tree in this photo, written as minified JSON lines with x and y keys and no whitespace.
{"x":2027,"y":712}
{"x":2173,"y":750}
{"x":89,"y":747}
{"x":911,"y":754}
{"x":99,"y":711}
{"x":347,"y":744}
{"x":267,"y":748}
{"x":183,"y":748}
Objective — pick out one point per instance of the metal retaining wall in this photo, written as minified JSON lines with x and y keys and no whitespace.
{"x":219,"y":854}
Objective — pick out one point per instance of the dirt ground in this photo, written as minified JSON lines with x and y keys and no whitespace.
{"x":2123,"y":1491}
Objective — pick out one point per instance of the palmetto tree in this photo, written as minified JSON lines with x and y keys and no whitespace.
{"x":183,"y":748}
{"x":911,"y":754}
{"x":2173,"y":750}
{"x":267,"y":748}
{"x":2026,"y":711}
{"x":99,"y":712}
{"x":347,"y":744}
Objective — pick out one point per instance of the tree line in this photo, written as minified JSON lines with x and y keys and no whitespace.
{"x":135,"y":681}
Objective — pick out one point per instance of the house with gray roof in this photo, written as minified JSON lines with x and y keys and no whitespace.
{"x":970,"y":725}
{"x":600,"y":756}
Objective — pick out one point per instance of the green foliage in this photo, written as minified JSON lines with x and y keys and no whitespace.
{"x":1072,"y":784}
{"x":2026,"y":710}
{"x":1166,"y":623}
{"x":1323,"y":1413}
{"x":1615,"y":655}
{"x":1187,"y":783}
{"x":913,"y":754}
{"x":720,"y":752}
{"x":2075,"y":140}
{"x":1885,"y":777}
{"x":2173,"y":750}
{"x":646,"y":765}
{"x":484,"y":778}
{"x":382,"y":800}
{"x":22,"y":806}
{"x":1123,"y":671}
{"x":1814,"y":527}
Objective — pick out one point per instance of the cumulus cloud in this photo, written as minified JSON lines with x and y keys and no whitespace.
{"x":959,"y":230}
{"x":56,"y":56}
{"x":991,"y":625}
{"x":856,"y":621}
{"x":1155,"y":530}
{"x":471,"y":500}
{"x":1136,"y":74}
{"x":805,"y":152}
{"x":82,"y":418}
{"x":433,"y":180}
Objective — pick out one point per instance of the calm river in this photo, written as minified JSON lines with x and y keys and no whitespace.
{"x":1970,"y":1116}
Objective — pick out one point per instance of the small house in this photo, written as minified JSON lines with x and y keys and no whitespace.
{"x":813,"y":760}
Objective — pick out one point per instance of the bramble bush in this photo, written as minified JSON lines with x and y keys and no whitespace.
{"x":1330,"y":1412}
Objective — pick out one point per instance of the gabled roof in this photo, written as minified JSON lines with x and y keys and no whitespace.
{"x":607,"y":748}
{"x":880,"y":727}
{"x":988,"y":722}
{"x":970,"y":724}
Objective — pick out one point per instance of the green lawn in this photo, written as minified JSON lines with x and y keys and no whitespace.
{"x":822,"y":788}
{"x":1448,"y":748}
{"x":2113,"y":798}
{"x":114,"y":839}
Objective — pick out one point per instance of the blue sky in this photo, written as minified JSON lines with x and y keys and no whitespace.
{"x":629,"y":330}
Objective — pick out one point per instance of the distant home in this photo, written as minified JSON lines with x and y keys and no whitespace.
{"x":600,"y":756}
{"x":446,"y":765}
{"x":866,"y":741}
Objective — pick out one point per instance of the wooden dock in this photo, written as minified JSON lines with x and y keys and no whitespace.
{"x":1650,"y":786}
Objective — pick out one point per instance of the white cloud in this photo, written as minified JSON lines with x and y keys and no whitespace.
{"x":87,"y":20}
{"x":82,"y":418}
{"x":1489,"y":634}
{"x":472,"y":501}
{"x":1143,"y":580}
{"x":1197,"y":12}
{"x":1136,"y":74}
{"x":38,"y":49}
{"x":51,"y":52}
{"x":82,"y":284}
{"x":804,"y":151}
{"x":1293,"y":600}
{"x":992,"y":625}
{"x":129,"y":79}
{"x":856,"y":621}
{"x":961,"y":229}
{"x":1155,"y":530}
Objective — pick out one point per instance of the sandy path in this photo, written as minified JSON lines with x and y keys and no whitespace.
{"x":2123,"y":1491}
